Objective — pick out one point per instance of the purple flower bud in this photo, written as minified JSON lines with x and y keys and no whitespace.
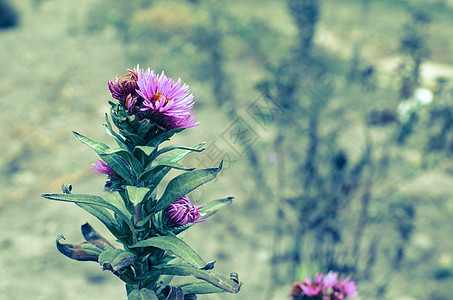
{"x":183,"y":212}
{"x":124,"y":86}
{"x":100,"y":167}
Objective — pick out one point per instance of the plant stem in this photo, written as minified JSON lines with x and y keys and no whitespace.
{"x":137,"y":218}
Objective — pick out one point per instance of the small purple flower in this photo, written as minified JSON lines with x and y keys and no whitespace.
{"x":330,"y":280}
{"x":346,"y":287}
{"x":124,"y":86}
{"x":183,"y":212}
{"x":312,"y":288}
{"x":100,"y":167}
{"x":326,"y":286}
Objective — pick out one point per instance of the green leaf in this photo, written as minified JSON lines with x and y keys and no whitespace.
{"x":118,"y":165}
{"x":184,"y":184}
{"x":146,"y":149}
{"x":102,"y":215}
{"x":81,"y":252}
{"x":143,"y":294}
{"x":162,"y":137}
{"x":158,"y":167}
{"x":97,"y":146}
{"x":174,"y":147}
{"x":217,"y":280}
{"x":160,"y":171}
{"x":200,"y":287}
{"x":118,"y":138}
{"x":90,"y":199}
{"x":93,"y":237}
{"x":133,"y":137}
{"x":175,"y":245}
{"x":136,"y":194}
{"x":173,"y":293}
{"x":178,"y":155}
{"x":208,"y":210}
{"x":116,"y":200}
{"x":116,"y":259}
{"x":127,"y":156}
{"x":113,"y":160}
{"x":214,"y":206}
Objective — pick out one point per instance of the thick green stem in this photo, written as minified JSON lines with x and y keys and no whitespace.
{"x":137,"y":218}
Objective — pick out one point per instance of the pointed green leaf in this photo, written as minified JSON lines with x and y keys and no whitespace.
{"x":81,"y":252}
{"x":145,"y":149}
{"x":143,"y":294}
{"x":173,"y":293}
{"x":97,"y":146}
{"x":175,"y":147}
{"x":178,"y":155}
{"x":115,"y":259}
{"x":200,"y":287}
{"x":158,"y":167}
{"x":208,"y":210}
{"x":214,"y":206}
{"x":138,"y":140}
{"x":159,"y":173}
{"x":90,"y":199}
{"x":118,"y":138}
{"x":102,"y":215}
{"x":93,"y":237}
{"x":184,"y":184}
{"x":113,"y":160}
{"x":175,"y":245}
{"x":136,"y":194}
{"x":217,"y":280}
{"x":127,"y":156}
{"x":162,"y":137}
{"x":118,"y":165}
{"x":116,"y":200}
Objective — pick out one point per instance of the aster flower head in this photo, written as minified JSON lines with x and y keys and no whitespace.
{"x":346,"y":287}
{"x":182,"y":212}
{"x":329,"y":280}
{"x":312,"y":288}
{"x":124,"y":86}
{"x":165,"y":101}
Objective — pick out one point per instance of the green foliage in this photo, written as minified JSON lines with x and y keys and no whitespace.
{"x":184,"y":184}
{"x":143,"y":294}
{"x":174,"y":245}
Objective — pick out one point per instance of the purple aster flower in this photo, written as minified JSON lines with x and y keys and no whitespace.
{"x":100,"y":167}
{"x":330,"y":280}
{"x":165,"y":101}
{"x":347,"y":287}
{"x":312,"y":288}
{"x":124,"y":86}
{"x":183,"y":212}
{"x":344,"y":288}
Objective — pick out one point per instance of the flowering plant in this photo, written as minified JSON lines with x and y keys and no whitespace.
{"x":149,"y":110}
{"x":324,"y":287}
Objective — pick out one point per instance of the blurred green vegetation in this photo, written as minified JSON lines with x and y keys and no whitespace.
{"x":325,"y":183}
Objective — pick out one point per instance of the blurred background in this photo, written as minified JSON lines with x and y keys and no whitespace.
{"x":334,"y":120}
